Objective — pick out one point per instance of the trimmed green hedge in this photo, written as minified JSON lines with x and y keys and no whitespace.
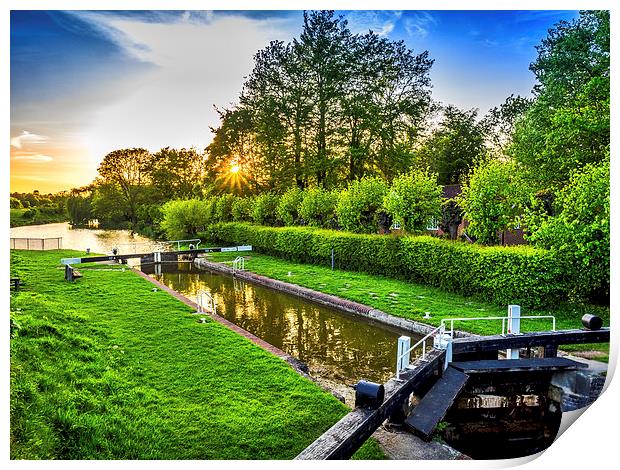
{"x":505,"y":275}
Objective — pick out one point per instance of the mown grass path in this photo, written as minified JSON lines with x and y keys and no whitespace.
{"x":105,"y":368}
{"x":411,"y":300}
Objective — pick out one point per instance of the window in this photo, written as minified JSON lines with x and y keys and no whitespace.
{"x":433,"y":224}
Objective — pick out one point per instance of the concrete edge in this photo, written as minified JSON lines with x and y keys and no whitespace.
{"x":343,"y":305}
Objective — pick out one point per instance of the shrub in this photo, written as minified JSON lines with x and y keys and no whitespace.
{"x":183,"y":218}
{"x":288,"y":207}
{"x":414,"y":200}
{"x":522,"y":275}
{"x":210,"y":206}
{"x":360,"y":205}
{"x":318,"y":208}
{"x":264,"y":209}
{"x":242,"y":209}
{"x":492,"y":200}
{"x":16,"y":203}
{"x":223,"y":208}
{"x":580,"y":232}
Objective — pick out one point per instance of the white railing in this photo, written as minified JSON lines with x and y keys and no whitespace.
{"x":211,"y":305}
{"x":504,"y":320}
{"x":178,"y":242}
{"x":440,"y":329}
{"x":238,"y":264}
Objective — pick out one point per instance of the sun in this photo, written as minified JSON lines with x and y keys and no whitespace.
{"x":234,"y":168}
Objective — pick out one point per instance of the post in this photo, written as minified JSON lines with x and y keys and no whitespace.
{"x":514,"y":328}
{"x":444,"y":341}
{"x":404,"y":343}
{"x":332,"y":256}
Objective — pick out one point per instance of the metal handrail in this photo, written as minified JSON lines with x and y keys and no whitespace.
{"x":199,"y":302}
{"x":422,"y":342}
{"x":503,"y":319}
{"x":238,"y":264}
{"x":178,"y":242}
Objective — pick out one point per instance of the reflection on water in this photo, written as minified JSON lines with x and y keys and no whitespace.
{"x":99,"y":241}
{"x":335,"y":346}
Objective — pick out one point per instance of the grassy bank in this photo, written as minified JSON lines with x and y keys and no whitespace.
{"x":21,"y":217}
{"x":412,"y":301}
{"x":105,"y":368}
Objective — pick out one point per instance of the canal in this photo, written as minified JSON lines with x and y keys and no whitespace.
{"x":338,"y":348}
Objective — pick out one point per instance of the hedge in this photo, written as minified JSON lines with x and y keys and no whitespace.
{"x":520,"y":275}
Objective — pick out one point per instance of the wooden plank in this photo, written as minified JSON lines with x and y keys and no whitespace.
{"x":518,"y":365}
{"x":347,"y":435}
{"x":436,"y":403}
{"x":480,"y":344}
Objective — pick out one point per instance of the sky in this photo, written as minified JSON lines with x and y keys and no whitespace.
{"x":84,"y":83}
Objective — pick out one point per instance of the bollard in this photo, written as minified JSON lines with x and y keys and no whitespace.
{"x":369,"y":394}
{"x":592,"y":322}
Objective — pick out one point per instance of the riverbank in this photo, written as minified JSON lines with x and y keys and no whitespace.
{"x":23,"y":217}
{"x":422,"y":304}
{"x":107,"y":368}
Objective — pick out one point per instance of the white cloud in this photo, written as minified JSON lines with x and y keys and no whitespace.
{"x":380,"y":22}
{"x":418,"y":24}
{"x":200,"y":60}
{"x":27,"y":138}
{"x":31,"y":157}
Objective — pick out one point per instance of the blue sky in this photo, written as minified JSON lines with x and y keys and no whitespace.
{"x":85,"y":83}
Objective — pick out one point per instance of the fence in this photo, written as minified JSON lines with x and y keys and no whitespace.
{"x":36,"y":243}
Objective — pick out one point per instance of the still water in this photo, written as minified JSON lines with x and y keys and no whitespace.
{"x":338,"y":347}
{"x":99,"y":241}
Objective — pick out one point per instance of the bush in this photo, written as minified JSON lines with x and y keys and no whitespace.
{"x":264,"y":209}
{"x":492,"y":200}
{"x":521,"y":275}
{"x":414,"y":200}
{"x":31,"y":213}
{"x":223,"y":208}
{"x":288,"y":207}
{"x":360,"y":205}
{"x":184,"y":218}
{"x":580,"y":232}
{"x":242,"y":209}
{"x":16,"y":203}
{"x":318,"y":208}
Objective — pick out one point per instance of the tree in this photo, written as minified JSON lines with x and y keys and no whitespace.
{"x":499,"y":123}
{"x":493,"y":198}
{"x":177,"y":174}
{"x":567,"y":126}
{"x":79,"y":206}
{"x":454,"y":147}
{"x":414,"y":199}
{"x":127,"y":171}
{"x":318,"y":208}
{"x":580,"y":232}
{"x":359,"y":206}
{"x":184,"y":218}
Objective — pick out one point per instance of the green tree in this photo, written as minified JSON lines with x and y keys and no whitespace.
{"x":493,"y":199}
{"x":453,"y":148}
{"x":128,"y":172}
{"x":288,"y":206}
{"x":359,"y":207}
{"x":580,"y":232}
{"x":567,"y":126}
{"x":177,"y":174}
{"x":414,"y":199}
{"x":184,"y":218}
{"x":16,"y":203}
{"x":79,"y":206}
{"x":318,"y":208}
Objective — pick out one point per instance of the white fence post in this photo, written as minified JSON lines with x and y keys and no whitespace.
{"x":404,"y":344}
{"x":514,"y":328}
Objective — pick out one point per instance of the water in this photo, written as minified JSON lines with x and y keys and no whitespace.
{"x":99,"y":241}
{"x":338,"y":347}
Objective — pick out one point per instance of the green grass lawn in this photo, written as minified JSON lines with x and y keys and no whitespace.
{"x":105,"y":368}
{"x":412,"y":301}
{"x":18,"y":219}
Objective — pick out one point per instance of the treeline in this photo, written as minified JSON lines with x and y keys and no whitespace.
{"x":339,"y":130}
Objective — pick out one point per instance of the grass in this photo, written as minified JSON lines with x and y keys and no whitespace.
{"x":41,"y":217}
{"x":412,"y":301}
{"x":105,"y":368}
